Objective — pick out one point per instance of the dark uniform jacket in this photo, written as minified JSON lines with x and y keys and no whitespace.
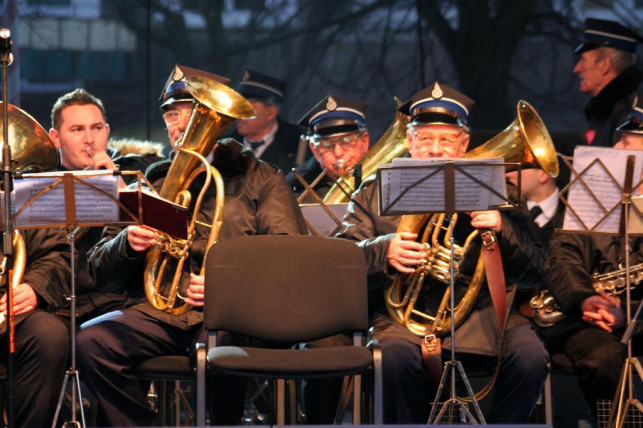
{"x":90,"y":302}
{"x":607,"y":110}
{"x":309,"y":171}
{"x":572,"y":259}
{"x":48,"y":267}
{"x":257,"y":202}
{"x":282,"y":152}
{"x":523,"y":260}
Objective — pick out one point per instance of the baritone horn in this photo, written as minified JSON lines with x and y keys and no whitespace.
{"x":525,"y":141}
{"x":215,"y":107}
{"x":32,"y":151}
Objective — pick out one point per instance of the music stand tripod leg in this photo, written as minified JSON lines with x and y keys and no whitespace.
{"x":453,"y":364}
{"x":72,"y":372}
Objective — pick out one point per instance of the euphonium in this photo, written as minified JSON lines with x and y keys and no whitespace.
{"x":32,"y":151}
{"x":215,"y":108}
{"x":525,"y":141}
{"x":392,"y":144}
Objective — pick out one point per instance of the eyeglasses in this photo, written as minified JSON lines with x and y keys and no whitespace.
{"x":447,"y":141}
{"x":172,"y":117}
{"x":347,"y":142}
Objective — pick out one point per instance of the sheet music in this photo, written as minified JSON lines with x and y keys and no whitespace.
{"x":418,"y":185}
{"x":601,"y":188}
{"x":323,"y":223}
{"x":49,"y":208}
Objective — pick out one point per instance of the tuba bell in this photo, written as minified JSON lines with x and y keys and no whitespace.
{"x":215,"y":107}
{"x":525,"y":141}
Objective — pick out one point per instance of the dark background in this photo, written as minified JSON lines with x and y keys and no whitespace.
{"x":495,"y":51}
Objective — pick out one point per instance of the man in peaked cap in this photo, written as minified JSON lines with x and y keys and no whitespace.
{"x":175,"y":88}
{"x":258,"y":201}
{"x":338,"y":138}
{"x":606,"y":70}
{"x":272,"y":138}
{"x":438,"y":128}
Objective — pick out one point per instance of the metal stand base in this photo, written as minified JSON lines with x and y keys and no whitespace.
{"x":453,"y":364}
{"x":454,"y":403}
{"x":76,"y":396}
{"x":624,"y":395}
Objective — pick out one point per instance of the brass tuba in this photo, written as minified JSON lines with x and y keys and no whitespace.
{"x":392,"y":144}
{"x":216,"y":106}
{"x":525,"y":141}
{"x":32,"y":151}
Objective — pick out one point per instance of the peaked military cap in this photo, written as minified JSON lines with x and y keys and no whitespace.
{"x":175,"y":88}
{"x":603,"y":32}
{"x":257,"y":86}
{"x":438,"y":104}
{"x":634,"y":122}
{"x":334,"y":115}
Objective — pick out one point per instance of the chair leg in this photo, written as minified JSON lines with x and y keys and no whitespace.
{"x":357,"y":399}
{"x":201,"y":351}
{"x":281,"y":402}
{"x":292,"y":401}
{"x":549,"y":418}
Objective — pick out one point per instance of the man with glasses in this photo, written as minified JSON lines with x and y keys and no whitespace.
{"x":257,"y":202}
{"x":338,"y":138}
{"x":438,"y":128}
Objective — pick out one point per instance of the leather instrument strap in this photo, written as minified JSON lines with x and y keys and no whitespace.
{"x":495,"y":275}
{"x":431,"y":345}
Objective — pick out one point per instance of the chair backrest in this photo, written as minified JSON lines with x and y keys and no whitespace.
{"x":285,"y":288}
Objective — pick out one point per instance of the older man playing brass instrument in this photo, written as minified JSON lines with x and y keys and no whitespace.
{"x":257,"y":201}
{"x":438,"y":128}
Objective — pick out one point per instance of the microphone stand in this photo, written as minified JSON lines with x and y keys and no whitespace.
{"x":7,"y":241}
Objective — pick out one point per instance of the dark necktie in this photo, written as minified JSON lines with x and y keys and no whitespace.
{"x":535,"y":211}
{"x":254,"y":145}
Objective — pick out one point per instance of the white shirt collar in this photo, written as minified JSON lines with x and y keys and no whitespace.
{"x":548,"y":206}
{"x":267,"y":140}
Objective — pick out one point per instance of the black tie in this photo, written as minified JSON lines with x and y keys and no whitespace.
{"x":535,"y":211}
{"x":254,"y":145}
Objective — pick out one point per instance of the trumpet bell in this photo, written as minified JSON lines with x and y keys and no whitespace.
{"x":525,"y":141}
{"x":31,"y":148}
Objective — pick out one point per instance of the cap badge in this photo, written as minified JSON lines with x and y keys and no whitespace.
{"x":178,"y":74}
{"x":331,"y":104}
{"x":437,"y":91}
{"x":246,"y":75}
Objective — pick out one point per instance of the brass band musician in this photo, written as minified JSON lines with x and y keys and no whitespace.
{"x":438,"y":128}
{"x":338,"y":138}
{"x":257,"y":201}
{"x":589,"y":334}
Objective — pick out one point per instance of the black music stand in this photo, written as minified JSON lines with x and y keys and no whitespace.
{"x":66,"y":189}
{"x":325,"y":219}
{"x":462,"y":186}
{"x":607,"y":217}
